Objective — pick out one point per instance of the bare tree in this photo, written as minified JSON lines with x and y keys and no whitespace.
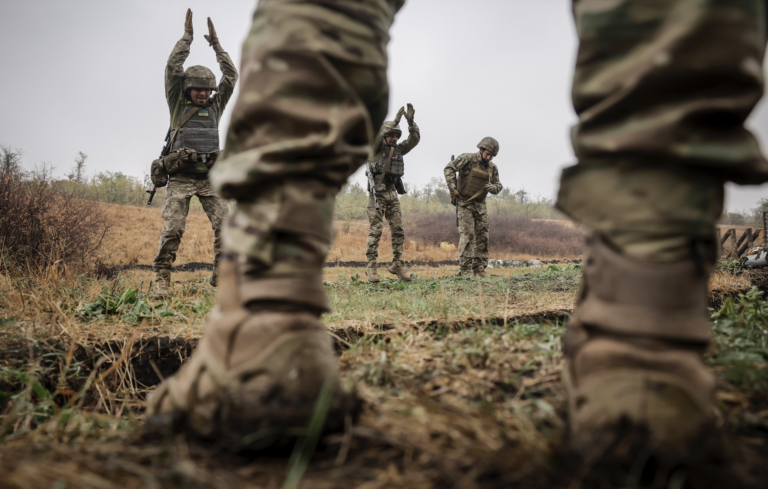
{"x":78,"y":171}
{"x":10,"y":161}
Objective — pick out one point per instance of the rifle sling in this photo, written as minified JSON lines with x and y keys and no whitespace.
{"x":182,"y":121}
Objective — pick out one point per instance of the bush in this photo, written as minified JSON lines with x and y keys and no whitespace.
{"x":42,"y":224}
{"x":508,"y":233}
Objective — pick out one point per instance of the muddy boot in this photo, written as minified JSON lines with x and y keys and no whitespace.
{"x":372,"y":273}
{"x":479,"y":272}
{"x":162,"y":284}
{"x":634,"y":356}
{"x":399,"y":269}
{"x":258,"y":371}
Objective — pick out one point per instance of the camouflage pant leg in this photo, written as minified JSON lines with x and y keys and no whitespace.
{"x":662,"y":90}
{"x":389,"y":209}
{"x":302,"y":125}
{"x":217,"y":210}
{"x":482,"y":226}
{"x":174,"y":211}
{"x":468,"y":237}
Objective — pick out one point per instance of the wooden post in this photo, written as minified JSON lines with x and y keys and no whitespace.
{"x":747,"y":244}
{"x":765,"y":227}
{"x":750,"y":239}
{"x":719,"y":243}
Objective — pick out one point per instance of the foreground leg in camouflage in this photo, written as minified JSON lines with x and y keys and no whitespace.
{"x":662,"y":90}
{"x":314,"y":80}
{"x":466,"y":240}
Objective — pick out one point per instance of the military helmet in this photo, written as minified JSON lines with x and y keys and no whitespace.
{"x":199,"y":77}
{"x":390,"y":127}
{"x":490,"y":144}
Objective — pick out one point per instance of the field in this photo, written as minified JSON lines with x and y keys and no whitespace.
{"x":459,"y":378}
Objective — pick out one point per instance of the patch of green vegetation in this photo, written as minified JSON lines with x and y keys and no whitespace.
{"x":131,"y":305}
{"x":741,"y":340}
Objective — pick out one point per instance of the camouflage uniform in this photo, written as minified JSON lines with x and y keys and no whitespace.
{"x":662,"y":90}
{"x":474,"y":225}
{"x":192,"y":180}
{"x":386,"y":195}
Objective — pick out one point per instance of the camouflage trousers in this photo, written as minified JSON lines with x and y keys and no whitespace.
{"x":474,"y":229}
{"x":389,"y":209}
{"x":181,"y":188}
{"x":662,"y":90}
{"x":303,"y":123}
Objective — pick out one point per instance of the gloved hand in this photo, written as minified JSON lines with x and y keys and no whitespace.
{"x":454,"y":195}
{"x":399,"y":115}
{"x":409,"y":115}
{"x":188,"y":22}
{"x":488,"y":187}
{"x":212,"y":38}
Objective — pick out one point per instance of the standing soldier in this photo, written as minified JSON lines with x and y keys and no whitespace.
{"x":477,"y":177}
{"x":385,"y":170}
{"x":195,"y":119}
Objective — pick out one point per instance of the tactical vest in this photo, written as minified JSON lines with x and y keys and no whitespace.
{"x":472,"y":184}
{"x":200,"y":132}
{"x":392,"y":164}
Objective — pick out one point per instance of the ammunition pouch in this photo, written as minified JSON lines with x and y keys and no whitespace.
{"x":179,"y":160}
{"x":158,"y":174}
{"x":399,"y":186}
{"x":471,"y":187}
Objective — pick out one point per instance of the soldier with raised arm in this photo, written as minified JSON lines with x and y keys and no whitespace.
{"x":478,"y":177}
{"x":386,"y":163}
{"x":195,"y":116}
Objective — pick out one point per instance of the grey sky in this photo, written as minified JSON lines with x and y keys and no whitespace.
{"x":87,"y":75}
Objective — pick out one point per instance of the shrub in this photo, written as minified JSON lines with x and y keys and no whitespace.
{"x":508,"y":233}
{"x":42,"y":224}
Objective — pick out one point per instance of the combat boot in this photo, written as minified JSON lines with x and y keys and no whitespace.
{"x":634,"y":354}
{"x":162,"y":284}
{"x":372,"y":273}
{"x":466,"y":273}
{"x":399,"y":269}
{"x":259,"y":370}
{"x":479,"y":272}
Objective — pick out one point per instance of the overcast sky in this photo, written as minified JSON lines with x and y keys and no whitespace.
{"x":87,"y":75}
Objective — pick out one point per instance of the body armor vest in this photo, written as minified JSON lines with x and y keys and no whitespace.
{"x":393,"y":164}
{"x":200,"y":132}
{"x":473,"y":182}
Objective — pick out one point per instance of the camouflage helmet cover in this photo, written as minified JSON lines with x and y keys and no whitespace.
{"x":490,"y":144}
{"x":390,"y":127}
{"x":199,"y":77}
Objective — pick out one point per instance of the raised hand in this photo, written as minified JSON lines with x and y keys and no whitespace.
{"x":399,"y":115}
{"x":188,"y":22}
{"x":212,"y":38}
{"x":409,"y":115}
{"x":488,"y":187}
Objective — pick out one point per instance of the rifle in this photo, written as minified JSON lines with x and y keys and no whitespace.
{"x":456,"y":204}
{"x":163,"y":154}
{"x":372,"y":184}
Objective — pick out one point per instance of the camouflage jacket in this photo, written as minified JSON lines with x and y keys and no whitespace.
{"x":463,"y":165}
{"x":381,"y":151}
{"x":174,"y":79}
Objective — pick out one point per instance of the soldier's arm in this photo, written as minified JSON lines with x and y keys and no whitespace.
{"x":495,"y":183}
{"x":450,"y":173}
{"x":174,"y":72}
{"x":414,"y":136}
{"x":228,"y":80}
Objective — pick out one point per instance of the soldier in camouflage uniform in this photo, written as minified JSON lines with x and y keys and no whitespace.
{"x":385,"y":148}
{"x":478,"y":176}
{"x":194,"y":150}
{"x":662,"y":90}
